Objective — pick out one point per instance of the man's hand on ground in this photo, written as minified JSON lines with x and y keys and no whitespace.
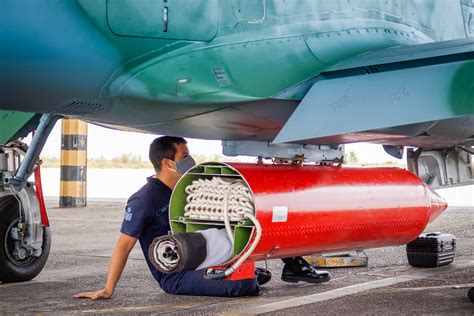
{"x":102,"y":294}
{"x":117,"y":262}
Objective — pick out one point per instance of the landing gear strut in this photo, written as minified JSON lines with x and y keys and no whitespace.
{"x":25,"y":239}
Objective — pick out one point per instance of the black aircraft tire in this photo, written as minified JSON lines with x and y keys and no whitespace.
{"x":470,"y":294}
{"x":12,"y":270}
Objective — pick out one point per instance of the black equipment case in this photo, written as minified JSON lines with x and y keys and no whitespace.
{"x":431,"y":250}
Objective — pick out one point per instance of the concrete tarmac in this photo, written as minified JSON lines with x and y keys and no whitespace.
{"x":83,"y":240}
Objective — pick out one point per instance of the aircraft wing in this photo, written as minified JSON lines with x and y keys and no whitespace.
{"x":394,"y":93}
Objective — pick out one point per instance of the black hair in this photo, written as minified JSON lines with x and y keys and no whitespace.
{"x":163,"y":147}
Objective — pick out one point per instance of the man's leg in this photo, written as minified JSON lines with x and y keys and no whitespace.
{"x":195,"y":283}
{"x":297,"y":269}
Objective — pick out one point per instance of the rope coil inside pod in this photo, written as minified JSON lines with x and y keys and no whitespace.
{"x":225,"y":200}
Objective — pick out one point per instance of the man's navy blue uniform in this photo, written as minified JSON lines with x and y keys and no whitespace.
{"x":146,"y":217}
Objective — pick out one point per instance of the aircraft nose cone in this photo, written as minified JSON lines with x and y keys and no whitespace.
{"x":437,"y":203}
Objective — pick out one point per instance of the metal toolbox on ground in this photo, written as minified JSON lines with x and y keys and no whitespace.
{"x":431,"y":250}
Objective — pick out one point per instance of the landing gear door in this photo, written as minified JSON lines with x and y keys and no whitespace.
{"x":194,"y":20}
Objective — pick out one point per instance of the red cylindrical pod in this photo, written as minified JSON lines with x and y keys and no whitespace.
{"x":307,"y":209}
{"x":313,"y":209}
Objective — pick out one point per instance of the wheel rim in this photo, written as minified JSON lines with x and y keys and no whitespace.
{"x":9,"y":246}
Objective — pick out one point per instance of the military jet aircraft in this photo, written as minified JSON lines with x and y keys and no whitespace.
{"x":270,"y":78}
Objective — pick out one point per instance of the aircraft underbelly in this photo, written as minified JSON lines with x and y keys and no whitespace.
{"x":255,"y":120}
{"x":220,"y":80}
{"x":263,"y":120}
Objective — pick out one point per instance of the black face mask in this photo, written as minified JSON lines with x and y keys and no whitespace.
{"x":184,"y":165}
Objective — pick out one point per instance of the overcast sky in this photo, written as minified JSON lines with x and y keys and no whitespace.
{"x":110,"y":143}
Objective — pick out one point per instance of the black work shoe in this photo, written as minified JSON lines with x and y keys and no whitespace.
{"x":262,"y":275}
{"x":298,"y":269}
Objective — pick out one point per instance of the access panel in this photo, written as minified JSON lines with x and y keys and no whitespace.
{"x":195,"y":20}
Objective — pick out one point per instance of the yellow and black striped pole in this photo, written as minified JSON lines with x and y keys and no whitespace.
{"x":73,"y":163}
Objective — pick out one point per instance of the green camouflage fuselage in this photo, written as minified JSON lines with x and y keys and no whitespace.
{"x":200,"y":68}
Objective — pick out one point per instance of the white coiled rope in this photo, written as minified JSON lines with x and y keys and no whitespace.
{"x":225,"y":200}
{"x":206,"y":200}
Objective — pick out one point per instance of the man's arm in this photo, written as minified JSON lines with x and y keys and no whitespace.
{"x":117,"y":263}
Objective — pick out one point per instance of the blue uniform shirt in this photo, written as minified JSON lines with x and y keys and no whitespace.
{"x":146,"y":217}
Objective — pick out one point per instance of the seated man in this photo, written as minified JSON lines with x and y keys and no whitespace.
{"x":146,"y":217}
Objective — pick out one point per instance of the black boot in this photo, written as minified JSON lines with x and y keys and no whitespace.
{"x":297,"y":269}
{"x":263,"y":276}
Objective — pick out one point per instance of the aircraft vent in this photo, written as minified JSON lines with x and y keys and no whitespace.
{"x":82,"y":106}
{"x":371,"y":69}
